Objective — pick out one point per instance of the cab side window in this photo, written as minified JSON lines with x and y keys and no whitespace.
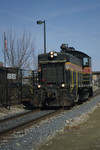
{"x":85,"y":61}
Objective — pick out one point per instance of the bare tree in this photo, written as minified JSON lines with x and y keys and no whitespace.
{"x":20,"y":51}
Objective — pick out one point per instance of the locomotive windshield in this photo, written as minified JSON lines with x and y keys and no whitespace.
{"x":53,"y":72}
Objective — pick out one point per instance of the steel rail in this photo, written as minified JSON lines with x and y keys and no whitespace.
{"x":30,"y":123}
{"x":18,"y":116}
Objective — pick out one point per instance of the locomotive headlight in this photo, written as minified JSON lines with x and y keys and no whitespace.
{"x":39,"y":86}
{"x":63,"y":85}
{"x":51,"y":56}
{"x":51,"y":53}
{"x":55,"y":54}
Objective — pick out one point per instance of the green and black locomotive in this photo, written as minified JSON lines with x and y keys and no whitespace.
{"x":64,"y":77}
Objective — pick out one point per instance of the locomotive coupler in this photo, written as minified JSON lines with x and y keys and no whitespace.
{"x":51,"y":94}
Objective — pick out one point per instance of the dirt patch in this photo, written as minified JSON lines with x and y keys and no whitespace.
{"x":82,"y":133}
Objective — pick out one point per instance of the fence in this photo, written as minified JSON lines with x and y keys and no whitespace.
{"x":16,"y":85}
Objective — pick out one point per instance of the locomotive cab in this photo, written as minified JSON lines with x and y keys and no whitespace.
{"x":87,"y":76}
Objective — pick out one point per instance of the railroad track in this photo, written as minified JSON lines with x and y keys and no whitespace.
{"x":26,"y":124}
{"x":18,"y":116}
{"x":97,"y":92}
{"x":7,"y":121}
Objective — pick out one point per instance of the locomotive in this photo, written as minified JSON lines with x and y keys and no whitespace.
{"x":64,"y":78}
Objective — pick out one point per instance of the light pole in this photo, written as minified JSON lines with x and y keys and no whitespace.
{"x":40,"y":22}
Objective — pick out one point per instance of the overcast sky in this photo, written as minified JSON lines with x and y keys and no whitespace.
{"x":75,"y":22}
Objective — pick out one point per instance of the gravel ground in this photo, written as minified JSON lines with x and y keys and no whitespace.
{"x":21,"y":120}
{"x":80,"y":134}
{"x":31,"y":138}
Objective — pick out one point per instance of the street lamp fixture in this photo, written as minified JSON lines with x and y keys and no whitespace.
{"x":41,"y":22}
